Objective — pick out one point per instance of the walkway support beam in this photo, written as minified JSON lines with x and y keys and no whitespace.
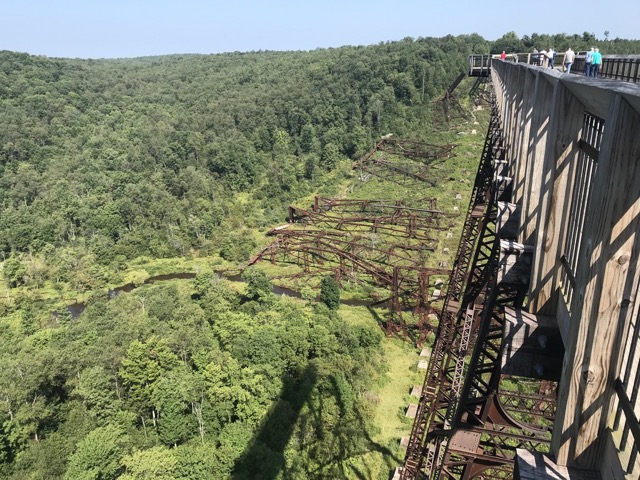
{"x":577,"y":121}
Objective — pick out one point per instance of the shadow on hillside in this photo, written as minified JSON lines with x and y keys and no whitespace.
{"x":350,"y":440}
{"x":332,"y":431}
{"x":264,"y":458}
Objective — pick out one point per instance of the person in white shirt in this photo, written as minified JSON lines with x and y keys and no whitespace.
{"x":569,"y":57}
{"x":543,"y":58}
{"x":551,"y":54}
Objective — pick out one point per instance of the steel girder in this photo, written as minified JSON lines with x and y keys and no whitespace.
{"x":443,"y":376}
{"x":421,"y":155}
{"x":384,"y":240}
{"x":465,"y":427}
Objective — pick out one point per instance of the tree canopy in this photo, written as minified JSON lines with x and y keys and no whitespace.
{"x":512,"y":43}
{"x":107,"y":166}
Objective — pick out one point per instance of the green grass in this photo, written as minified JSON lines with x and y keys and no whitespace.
{"x":394,"y":394}
{"x":390,"y":395}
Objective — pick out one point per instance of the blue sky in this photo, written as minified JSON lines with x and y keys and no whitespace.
{"x":133,"y":28}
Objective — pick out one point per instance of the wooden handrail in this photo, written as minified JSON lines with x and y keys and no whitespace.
{"x":627,"y":408}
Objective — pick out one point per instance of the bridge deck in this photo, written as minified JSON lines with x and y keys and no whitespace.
{"x":617,"y":67}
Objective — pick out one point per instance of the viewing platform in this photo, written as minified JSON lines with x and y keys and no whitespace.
{"x":616,"y":67}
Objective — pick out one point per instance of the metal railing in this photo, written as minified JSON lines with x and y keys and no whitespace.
{"x":582,"y":179}
{"x":631,"y":424}
{"x":616,"y":67}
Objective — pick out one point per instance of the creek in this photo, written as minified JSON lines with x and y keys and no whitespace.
{"x":75,"y":309}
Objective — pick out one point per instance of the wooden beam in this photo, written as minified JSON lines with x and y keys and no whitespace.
{"x":540,"y":466}
{"x":606,"y":277}
{"x":533,"y":201}
{"x":531,"y":345}
{"x":566,"y":115}
{"x":523,"y":151}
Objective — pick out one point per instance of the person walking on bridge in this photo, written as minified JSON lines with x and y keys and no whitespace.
{"x":544,"y":58}
{"x":569,"y":57}
{"x":552,"y":56}
{"x":587,"y":62}
{"x":596,"y":61}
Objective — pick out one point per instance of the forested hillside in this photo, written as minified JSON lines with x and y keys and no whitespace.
{"x":112,"y":171}
{"x":104,"y":161}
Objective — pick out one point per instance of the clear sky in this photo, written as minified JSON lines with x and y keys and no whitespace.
{"x":133,"y":28}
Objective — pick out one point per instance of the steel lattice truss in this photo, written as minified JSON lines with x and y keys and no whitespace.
{"x":411,"y":160}
{"x":393,"y":219}
{"x":447,"y":98}
{"x":385,"y":243}
{"x":465,"y":426}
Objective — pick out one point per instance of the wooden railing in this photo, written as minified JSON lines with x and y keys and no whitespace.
{"x":616,"y":67}
{"x":479,"y":65}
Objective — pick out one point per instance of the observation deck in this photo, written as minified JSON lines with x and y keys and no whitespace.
{"x":617,"y":67}
{"x":535,"y":371}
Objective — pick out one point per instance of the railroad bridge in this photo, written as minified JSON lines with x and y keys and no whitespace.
{"x":534,"y":370}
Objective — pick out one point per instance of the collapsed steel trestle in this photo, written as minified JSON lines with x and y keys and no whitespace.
{"x":388,"y":241}
{"x":419,"y":157}
{"x":383,"y":240}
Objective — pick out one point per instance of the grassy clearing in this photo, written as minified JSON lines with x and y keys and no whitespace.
{"x":394,"y":393}
{"x":391,"y":395}
{"x":392,"y":390}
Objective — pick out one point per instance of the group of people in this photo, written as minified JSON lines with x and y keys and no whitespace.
{"x":592,"y":61}
{"x":546,"y":58}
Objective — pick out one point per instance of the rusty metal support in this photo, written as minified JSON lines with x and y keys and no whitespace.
{"x":465,"y":427}
{"x":419,"y":155}
{"x":396,"y":266}
{"x":439,"y":383}
{"x":383,"y":240}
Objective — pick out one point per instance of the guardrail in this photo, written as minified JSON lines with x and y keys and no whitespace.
{"x":616,"y":67}
{"x":479,"y":65}
{"x":540,"y":107}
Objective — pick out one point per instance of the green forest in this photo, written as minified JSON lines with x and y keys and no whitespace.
{"x":113,"y":172}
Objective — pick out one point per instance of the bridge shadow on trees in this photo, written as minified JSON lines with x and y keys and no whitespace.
{"x":264,"y":457}
{"x":331,"y":433}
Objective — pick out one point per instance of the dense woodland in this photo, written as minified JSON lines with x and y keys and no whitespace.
{"x":108,"y":168}
{"x":512,"y":43}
